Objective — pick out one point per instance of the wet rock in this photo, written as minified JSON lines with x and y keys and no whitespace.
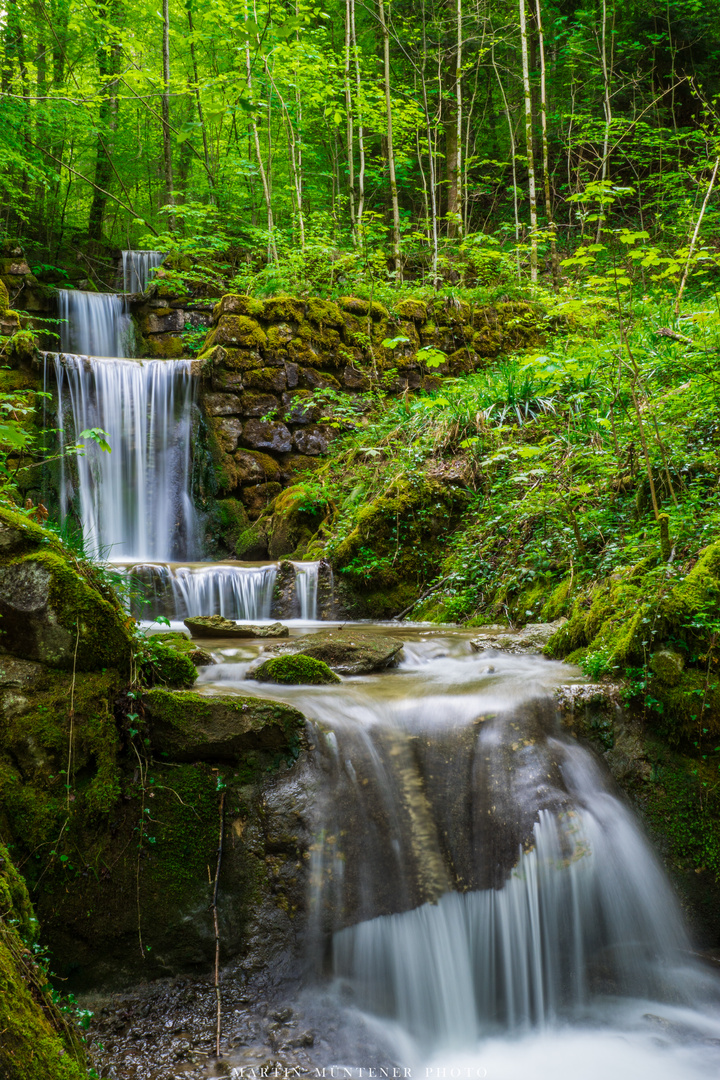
{"x":255,"y":404}
{"x":215,"y":626}
{"x":668,"y":666}
{"x":267,"y":435}
{"x":294,"y":670}
{"x":532,"y":638}
{"x":285,"y":602}
{"x":347,"y":652}
{"x":186,"y":726}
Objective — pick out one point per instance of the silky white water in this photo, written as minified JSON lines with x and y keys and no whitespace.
{"x":133,"y":502}
{"x":482,"y":902}
{"x":306,"y":588}
{"x":94,"y":324}
{"x":137,"y":267}
{"x":177,"y":592}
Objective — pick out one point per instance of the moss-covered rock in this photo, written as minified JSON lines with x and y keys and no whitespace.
{"x":295,"y":670}
{"x":236,"y":304}
{"x":185,"y":726}
{"x":181,"y":643}
{"x":37,"y":1042}
{"x":53,"y":609}
{"x":164,"y":663}
{"x":346,"y":651}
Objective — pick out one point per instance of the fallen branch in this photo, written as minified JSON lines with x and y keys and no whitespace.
{"x":423,"y":596}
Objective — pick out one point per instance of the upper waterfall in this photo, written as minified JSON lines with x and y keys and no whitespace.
{"x":136,"y":269}
{"x":94,"y":324}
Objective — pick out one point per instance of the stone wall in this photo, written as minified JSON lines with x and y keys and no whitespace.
{"x":264,"y":360}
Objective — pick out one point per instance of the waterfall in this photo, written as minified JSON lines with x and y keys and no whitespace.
{"x":94,"y":324}
{"x":136,"y":269}
{"x":133,"y":502}
{"x":306,"y":588}
{"x":236,"y":592}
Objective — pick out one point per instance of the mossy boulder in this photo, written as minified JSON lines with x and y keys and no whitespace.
{"x":186,"y":726}
{"x":412,"y":309}
{"x":345,"y":651}
{"x":295,"y":670}
{"x":181,"y":643}
{"x":36,"y":1041}
{"x":168,"y":665}
{"x":237,"y":332}
{"x":237,"y":304}
{"x":54,"y":609}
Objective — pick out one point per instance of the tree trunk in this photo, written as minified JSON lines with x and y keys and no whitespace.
{"x":167,"y":146}
{"x":527,"y":93}
{"x":390,"y":145}
{"x":545,"y":151}
{"x":196,"y":87}
{"x":361,"y":133}
{"x":108,"y":58}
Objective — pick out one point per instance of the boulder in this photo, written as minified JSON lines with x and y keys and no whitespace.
{"x":187,"y":726}
{"x":311,"y":441}
{"x":296,"y":669}
{"x":53,"y":609}
{"x":345,"y":651}
{"x":668,"y":666}
{"x":532,"y":638}
{"x":267,"y":435}
{"x":173,"y":639}
{"x":215,"y":626}
{"x":222,"y":404}
{"x":228,"y":430}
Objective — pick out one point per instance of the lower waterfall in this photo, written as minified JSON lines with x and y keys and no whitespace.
{"x":177,"y":592}
{"x":479,"y":894}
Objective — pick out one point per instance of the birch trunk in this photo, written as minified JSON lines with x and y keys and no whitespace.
{"x":390,"y":146}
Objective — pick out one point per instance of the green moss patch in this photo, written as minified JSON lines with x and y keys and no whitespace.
{"x":296,"y":670}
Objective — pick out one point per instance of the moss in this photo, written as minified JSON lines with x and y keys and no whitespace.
{"x":237,"y":304}
{"x":165,"y":346}
{"x":354,"y":306}
{"x":284,"y":309}
{"x":324,"y":312}
{"x":297,"y":516}
{"x":4,"y":298}
{"x":175,"y":639}
{"x":35,"y":1043}
{"x":252,"y":544}
{"x":400,"y":537}
{"x":237,"y":331}
{"x":411,"y":309}
{"x":295,"y":670}
{"x":232,"y":521}
{"x":168,"y":665}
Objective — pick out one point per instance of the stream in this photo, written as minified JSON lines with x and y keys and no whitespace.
{"x":481,"y":900}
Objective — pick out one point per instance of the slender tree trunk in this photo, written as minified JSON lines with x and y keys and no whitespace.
{"x":349,"y":134}
{"x":108,"y":58}
{"x":198,"y":99}
{"x":513,"y":152}
{"x":545,"y":151}
{"x":360,"y":130}
{"x":527,"y":92}
{"x":272,"y":248}
{"x":696,"y":230}
{"x":458,"y":206}
{"x":390,"y":145}
{"x":607,"y":109}
{"x":167,"y":146}
{"x":431,"y":157}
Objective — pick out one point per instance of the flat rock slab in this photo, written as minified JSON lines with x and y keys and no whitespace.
{"x":187,"y":726}
{"x":347,"y":652}
{"x":215,"y":626}
{"x":531,"y":638}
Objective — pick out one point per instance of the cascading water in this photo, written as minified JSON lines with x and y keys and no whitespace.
{"x":133,"y":502}
{"x":136,"y":269}
{"x":306,"y":588}
{"x":176,"y":592}
{"x":481,"y":900}
{"x":94,"y":324}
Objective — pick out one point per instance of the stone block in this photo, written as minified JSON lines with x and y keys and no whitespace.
{"x":267,"y":435}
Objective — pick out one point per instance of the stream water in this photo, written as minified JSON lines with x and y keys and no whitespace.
{"x":481,"y":901}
